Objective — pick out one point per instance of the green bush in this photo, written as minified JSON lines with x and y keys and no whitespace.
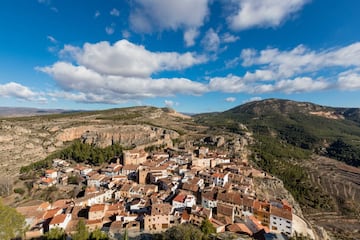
{"x":20,"y":191}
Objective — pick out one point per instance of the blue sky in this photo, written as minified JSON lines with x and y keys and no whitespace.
{"x":191,"y":55}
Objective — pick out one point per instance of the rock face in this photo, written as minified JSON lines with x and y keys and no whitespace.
{"x":272,"y":188}
{"x":30,"y":139}
{"x":128,"y":135}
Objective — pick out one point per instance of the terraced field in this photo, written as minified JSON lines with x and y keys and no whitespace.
{"x":342,"y":183}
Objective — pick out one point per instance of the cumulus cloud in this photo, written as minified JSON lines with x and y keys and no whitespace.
{"x":230,"y":84}
{"x":211,"y":41}
{"x":190,"y":35}
{"x":300,"y":60}
{"x":349,"y":80}
{"x":158,"y":15}
{"x":130,"y":60}
{"x":260,"y":75}
{"x":300,"y":84}
{"x":13,"y":89}
{"x":236,"y":84}
{"x":229,"y":38}
{"x":114,"y":12}
{"x":230,"y":99}
{"x":262,"y":13}
{"x":115,"y":73}
{"x":90,"y":86}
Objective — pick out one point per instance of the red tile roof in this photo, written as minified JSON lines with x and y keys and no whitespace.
{"x":97,"y":207}
{"x":281,"y":212}
{"x":58,"y":219}
{"x":180,"y":198}
{"x":239,"y":228}
{"x":218,"y":175}
{"x":51,"y":213}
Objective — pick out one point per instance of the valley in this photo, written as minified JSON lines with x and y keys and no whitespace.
{"x":289,"y":140}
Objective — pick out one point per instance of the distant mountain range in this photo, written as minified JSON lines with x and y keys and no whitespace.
{"x":23,"y":111}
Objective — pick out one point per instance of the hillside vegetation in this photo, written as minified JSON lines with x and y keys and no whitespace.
{"x":322,"y":130}
{"x":295,"y":141}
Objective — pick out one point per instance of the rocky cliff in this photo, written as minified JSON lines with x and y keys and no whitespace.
{"x":29,"y":139}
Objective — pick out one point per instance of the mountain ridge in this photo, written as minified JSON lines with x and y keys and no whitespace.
{"x":298,"y":142}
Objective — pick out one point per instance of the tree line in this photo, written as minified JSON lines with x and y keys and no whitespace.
{"x":79,"y":152}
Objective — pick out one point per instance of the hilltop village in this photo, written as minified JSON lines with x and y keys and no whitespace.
{"x":151,"y":192}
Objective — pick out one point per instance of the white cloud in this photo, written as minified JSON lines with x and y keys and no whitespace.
{"x":236,"y":84}
{"x":248,"y":56}
{"x":211,"y":41}
{"x":115,"y":73}
{"x":170,"y":103}
{"x":300,"y":84}
{"x":229,"y":84}
{"x":13,"y":89}
{"x":301,"y":60}
{"x":253,"y":99}
{"x":260,"y":75}
{"x":114,"y":12}
{"x":230,"y":99}
{"x":130,"y":60}
{"x":349,"y":80}
{"x":262,"y":13}
{"x":86,"y":85}
{"x":158,"y":15}
{"x":229,"y":38}
{"x":190,"y":35}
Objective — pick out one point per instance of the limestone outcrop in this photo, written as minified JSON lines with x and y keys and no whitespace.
{"x":30,"y":139}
